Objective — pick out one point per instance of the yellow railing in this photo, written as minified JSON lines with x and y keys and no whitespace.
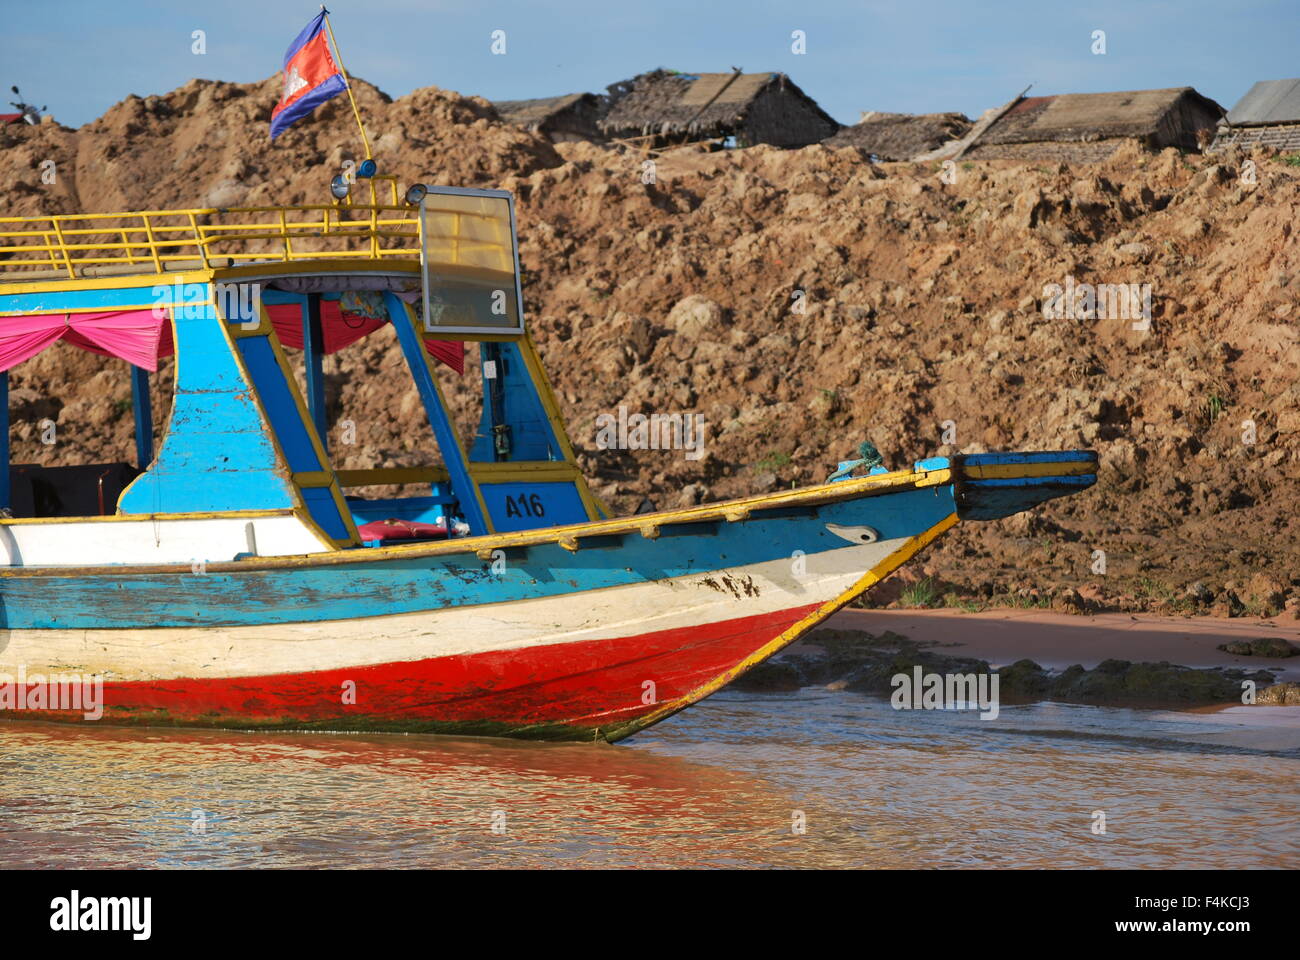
{"x":155,"y":239}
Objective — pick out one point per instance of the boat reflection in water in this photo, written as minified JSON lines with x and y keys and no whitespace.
{"x":98,"y":796}
{"x":731,"y":784}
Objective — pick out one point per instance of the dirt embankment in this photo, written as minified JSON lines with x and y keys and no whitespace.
{"x":804,"y":301}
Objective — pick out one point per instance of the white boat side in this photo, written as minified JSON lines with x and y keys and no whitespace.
{"x":104,"y":541}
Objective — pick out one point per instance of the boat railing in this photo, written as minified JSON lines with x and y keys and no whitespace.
{"x":95,"y":244}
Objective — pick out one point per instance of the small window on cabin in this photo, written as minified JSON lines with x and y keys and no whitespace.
{"x":469,"y":274}
{"x":73,"y":442}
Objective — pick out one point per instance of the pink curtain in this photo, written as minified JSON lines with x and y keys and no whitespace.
{"x":341,"y":329}
{"x":136,"y":336}
{"x":139,"y":337}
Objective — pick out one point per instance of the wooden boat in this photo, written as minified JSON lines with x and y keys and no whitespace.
{"x":234,"y":583}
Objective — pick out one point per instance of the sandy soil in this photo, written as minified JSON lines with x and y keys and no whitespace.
{"x":1058,"y":640}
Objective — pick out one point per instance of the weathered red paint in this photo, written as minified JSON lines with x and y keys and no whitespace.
{"x":557,"y":691}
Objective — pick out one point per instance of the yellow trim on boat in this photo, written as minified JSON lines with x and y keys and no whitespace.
{"x":878,"y":484}
{"x":382,"y":476}
{"x":140,"y":517}
{"x":314,"y":478}
{"x":303,"y":267}
{"x":502,"y":471}
{"x":122,"y":282}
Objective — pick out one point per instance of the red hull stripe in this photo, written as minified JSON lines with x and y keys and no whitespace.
{"x":588,"y":684}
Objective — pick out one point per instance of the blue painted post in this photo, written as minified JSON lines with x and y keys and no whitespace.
{"x":143,"y":406}
{"x":6,"y":499}
{"x":313,"y":345}
{"x":462,"y":484}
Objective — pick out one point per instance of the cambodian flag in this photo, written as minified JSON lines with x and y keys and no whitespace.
{"x":310,"y":76}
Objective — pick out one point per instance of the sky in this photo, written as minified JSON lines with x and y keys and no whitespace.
{"x":80,"y":57}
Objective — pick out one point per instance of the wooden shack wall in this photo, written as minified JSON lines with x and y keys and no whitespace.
{"x":783,"y":119}
{"x":1179,"y":125}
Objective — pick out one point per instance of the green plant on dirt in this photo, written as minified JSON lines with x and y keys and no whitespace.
{"x":1018,"y":602}
{"x":966,"y":214}
{"x":121,"y":406}
{"x":1259,"y":608}
{"x":1213,"y":407}
{"x":1152,"y":589}
{"x":1148,"y":588}
{"x":923,"y":593}
{"x":957,"y":602}
{"x":1291,"y":159}
{"x":772,"y":462}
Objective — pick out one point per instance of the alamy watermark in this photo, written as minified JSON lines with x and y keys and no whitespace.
{"x":1101,"y":301}
{"x":58,"y":691}
{"x":191,"y":301}
{"x":945,"y":691}
{"x":76,"y":913}
{"x":658,"y":431}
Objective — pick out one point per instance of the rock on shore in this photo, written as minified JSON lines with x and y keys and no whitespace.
{"x":859,"y":661}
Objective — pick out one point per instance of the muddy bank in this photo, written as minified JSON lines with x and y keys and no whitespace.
{"x":1058,"y":640}
{"x":1040,"y":657}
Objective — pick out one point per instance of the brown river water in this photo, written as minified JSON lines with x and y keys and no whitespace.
{"x":807,"y":779}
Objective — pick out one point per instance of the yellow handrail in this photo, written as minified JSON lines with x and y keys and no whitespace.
{"x":69,"y":241}
{"x":58,"y":232}
{"x":153,"y":247}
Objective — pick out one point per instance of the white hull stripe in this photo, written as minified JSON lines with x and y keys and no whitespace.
{"x":247,"y":651}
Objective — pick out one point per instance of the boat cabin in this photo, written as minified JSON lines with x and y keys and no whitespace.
{"x":243,"y":466}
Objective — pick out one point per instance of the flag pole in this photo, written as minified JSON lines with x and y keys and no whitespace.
{"x":346,"y":82}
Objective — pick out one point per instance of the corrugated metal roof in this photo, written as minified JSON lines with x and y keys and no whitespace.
{"x":1268,"y":101}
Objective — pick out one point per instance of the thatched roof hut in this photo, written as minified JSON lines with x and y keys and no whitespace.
{"x":1267,"y":116}
{"x":570,"y":117}
{"x":901,"y":136}
{"x":1092,"y":126}
{"x":669,"y":107}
